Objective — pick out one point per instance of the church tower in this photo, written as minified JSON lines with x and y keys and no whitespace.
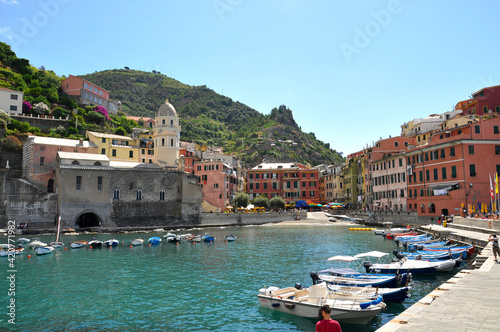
{"x":166,"y":135}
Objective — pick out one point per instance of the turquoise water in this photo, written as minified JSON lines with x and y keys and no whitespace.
{"x":185,"y":287}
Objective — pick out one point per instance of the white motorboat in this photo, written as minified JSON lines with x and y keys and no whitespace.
{"x":137,"y":242}
{"x":77,"y":244}
{"x":6,"y":245}
{"x":95,"y":243}
{"x":307,"y":302}
{"x":44,"y":250}
{"x":170,"y":237}
{"x":23,"y":240}
{"x":37,"y":243}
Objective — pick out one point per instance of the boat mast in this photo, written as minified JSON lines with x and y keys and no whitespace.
{"x":58,"y":227}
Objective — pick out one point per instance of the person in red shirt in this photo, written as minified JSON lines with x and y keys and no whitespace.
{"x":327,"y":324}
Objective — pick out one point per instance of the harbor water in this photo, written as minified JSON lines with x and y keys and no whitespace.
{"x":184,"y":287}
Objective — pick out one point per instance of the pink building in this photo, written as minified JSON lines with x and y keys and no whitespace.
{"x":219,"y":182}
{"x":39,"y":157}
{"x":389,"y":183}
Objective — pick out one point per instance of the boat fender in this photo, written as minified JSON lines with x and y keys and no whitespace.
{"x":276,"y":304}
{"x":298,"y":286}
{"x":289,"y":305}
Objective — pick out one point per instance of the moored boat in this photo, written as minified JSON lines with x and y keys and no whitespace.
{"x":23,"y":240}
{"x":95,"y":243}
{"x":154,"y":240}
{"x":44,"y":250}
{"x":230,"y":238}
{"x":11,"y":251}
{"x":207,"y":238}
{"x":396,"y":295}
{"x":306,"y":303}
{"x":137,"y":242}
{"x":37,"y":243}
{"x":77,"y":244}
{"x":348,"y":276}
{"x":111,"y":243}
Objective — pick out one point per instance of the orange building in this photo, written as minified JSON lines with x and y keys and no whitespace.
{"x":88,"y":93}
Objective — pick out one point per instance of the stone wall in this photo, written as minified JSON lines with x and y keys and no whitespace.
{"x":23,"y":202}
{"x":478,"y":223}
{"x":45,"y":123}
{"x":226,"y":219}
{"x":398,"y":218}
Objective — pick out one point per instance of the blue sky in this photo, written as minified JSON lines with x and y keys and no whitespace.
{"x":351,"y":71}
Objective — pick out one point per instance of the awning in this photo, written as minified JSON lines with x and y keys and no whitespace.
{"x":443,"y":186}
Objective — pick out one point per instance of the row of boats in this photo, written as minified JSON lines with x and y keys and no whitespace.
{"x":42,"y":248}
{"x":357,"y":297}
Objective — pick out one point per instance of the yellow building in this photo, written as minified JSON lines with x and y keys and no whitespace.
{"x":116,"y":147}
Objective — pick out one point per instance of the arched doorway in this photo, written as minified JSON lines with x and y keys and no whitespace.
{"x":50,"y":186}
{"x":88,"y":219}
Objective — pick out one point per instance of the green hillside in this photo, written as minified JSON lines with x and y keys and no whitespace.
{"x":209,"y":118}
{"x":205,"y":116}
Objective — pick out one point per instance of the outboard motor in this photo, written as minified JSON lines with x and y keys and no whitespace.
{"x":298,"y":285}
{"x":314,"y":276}
{"x":367,"y":266}
{"x":397,"y":254}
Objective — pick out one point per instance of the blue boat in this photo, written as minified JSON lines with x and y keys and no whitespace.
{"x":111,"y":243}
{"x":351,"y":277}
{"x":396,"y":295}
{"x":154,"y":240}
{"x":422,"y":255}
{"x":207,"y":238}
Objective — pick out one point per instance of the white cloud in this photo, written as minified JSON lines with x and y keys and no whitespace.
{"x":9,"y":2}
{"x":5,"y":31}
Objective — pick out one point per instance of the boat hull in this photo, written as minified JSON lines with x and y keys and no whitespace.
{"x":311,"y":310}
{"x":43,"y":250}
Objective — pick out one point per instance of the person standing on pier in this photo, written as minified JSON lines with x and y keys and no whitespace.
{"x":494,"y":243}
{"x":327,"y":324}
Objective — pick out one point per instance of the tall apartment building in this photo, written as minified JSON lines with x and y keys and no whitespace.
{"x":454,"y":168}
{"x":291,"y":181}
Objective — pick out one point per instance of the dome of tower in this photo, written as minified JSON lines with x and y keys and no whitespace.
{"x":166,"y":110}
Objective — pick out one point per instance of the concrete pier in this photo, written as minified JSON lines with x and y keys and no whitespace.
{"x":467,"y":302}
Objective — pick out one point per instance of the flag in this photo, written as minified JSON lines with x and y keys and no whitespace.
{"x":496,"y":183}
{"x":491,"y":190}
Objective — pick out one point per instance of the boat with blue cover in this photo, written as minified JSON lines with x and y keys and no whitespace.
{"x":348,"y":276}
{"x":207,"y":238}
{"x":111,"y":243}
{"x":154,"y":240}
